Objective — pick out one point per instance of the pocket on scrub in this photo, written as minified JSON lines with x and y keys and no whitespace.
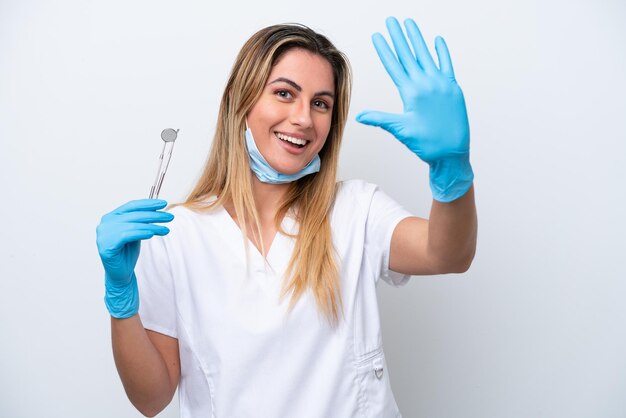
{"x":375,"y":396}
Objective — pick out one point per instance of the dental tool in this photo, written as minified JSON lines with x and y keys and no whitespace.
{"x":168,"y":136}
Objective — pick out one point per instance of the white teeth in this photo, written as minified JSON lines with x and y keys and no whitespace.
{"x":296,"y":141}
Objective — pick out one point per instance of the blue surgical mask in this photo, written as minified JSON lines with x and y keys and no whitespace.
{"x":267,"y":174}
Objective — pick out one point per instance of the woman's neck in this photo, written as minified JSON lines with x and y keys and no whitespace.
{"x":268,"y":197}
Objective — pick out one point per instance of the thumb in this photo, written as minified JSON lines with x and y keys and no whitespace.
{"x":387,"y":121}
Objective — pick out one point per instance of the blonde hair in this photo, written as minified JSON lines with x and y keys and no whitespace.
{"x":227,"y":173}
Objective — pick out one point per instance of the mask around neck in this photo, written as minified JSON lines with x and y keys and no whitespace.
{"x":266,"y":172}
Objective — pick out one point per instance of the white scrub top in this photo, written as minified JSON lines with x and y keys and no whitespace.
{"x":241,"y":354}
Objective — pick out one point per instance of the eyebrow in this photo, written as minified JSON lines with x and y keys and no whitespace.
{"x":297,"y":87}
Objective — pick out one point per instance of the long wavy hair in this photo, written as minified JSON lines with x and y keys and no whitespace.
{"x":227,"y":174}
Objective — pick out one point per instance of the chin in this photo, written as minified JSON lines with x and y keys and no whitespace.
{"x":286,"y":169}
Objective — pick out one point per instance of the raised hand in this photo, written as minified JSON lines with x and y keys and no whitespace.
{"x":118,"y":238}
{"x":434,"y":124}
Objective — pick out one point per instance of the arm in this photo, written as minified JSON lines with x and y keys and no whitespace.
{"x":148,"y":364}
{"x":434,"y":126}
{"x":445,"y":243}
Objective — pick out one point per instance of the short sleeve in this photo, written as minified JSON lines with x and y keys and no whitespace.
{"x":157,"y":303}
{"x":382,"y":219}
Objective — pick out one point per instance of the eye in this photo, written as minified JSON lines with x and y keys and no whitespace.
{"x":283,"y":94}
{"x":321,"y":104}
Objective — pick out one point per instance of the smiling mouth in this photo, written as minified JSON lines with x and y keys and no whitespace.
{"x":298,"y":142}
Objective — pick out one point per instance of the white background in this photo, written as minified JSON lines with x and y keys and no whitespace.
{"x":536,"y":328}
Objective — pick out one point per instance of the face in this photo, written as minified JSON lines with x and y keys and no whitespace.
{"x":291,"y":120}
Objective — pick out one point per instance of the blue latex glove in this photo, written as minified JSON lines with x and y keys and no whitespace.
{"x":434,"y":124}
{"x":118,"y":238}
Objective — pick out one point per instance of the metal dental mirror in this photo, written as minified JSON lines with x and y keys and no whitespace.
{"x":168,"y":136}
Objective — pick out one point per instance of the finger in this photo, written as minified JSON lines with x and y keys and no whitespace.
{"x":381,"y":119}
{"x":128,"y":233}
{"x":445,"y":63}
{"x":410,"y":64}
{"x":389,"y":60}
{"x":145,"y":217}
{"x":134,"y":233}
{"x":141,"y":204}
{"x":419,"y":46}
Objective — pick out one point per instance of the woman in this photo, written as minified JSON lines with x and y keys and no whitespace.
{"x":260,"y":301}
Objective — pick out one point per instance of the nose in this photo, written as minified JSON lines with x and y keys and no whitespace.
{"x":301,"y":114}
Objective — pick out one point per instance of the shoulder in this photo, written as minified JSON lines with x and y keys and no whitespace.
{"x":188,"y":211}
{"x":353,"y":199}
{"x":351,"y":190}
{"x":358,"y":196}
{"x":186,"y":217}
{"x":183,"y":214}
